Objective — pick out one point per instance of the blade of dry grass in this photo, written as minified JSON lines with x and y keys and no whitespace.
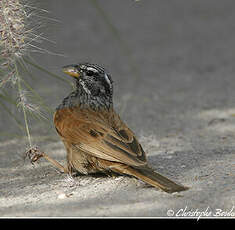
{"x":47,"y":72}
{"x":116,"y":34}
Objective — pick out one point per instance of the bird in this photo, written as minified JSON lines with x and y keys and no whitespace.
{"x":95,"y":137}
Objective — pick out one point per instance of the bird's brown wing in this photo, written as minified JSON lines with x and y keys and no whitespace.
{"x":101,"y":134}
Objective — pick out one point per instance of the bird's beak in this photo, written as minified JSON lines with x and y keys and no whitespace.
{"x":71,"y":70}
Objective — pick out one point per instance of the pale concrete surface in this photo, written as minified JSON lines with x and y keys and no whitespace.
{"x":182,"y":108}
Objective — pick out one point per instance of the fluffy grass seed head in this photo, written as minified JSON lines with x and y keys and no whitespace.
{"x":20,"y":23}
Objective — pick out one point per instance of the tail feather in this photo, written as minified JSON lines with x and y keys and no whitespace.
{"x":155,"y":179}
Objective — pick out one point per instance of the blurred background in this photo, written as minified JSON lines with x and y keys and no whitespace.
{"x":172,"y":63}
{"x":167,"y":58}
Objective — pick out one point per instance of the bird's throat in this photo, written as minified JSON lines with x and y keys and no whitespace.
{"x":83,"y":99}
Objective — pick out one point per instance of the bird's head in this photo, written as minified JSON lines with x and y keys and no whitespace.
{"x":93,"y":79}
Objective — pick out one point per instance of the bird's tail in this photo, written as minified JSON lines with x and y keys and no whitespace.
{"x":155,"y":179}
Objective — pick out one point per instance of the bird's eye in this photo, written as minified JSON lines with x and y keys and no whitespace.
{"x":89,"y":73}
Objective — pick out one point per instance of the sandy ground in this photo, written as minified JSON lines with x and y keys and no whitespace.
{"x":180,"y":104}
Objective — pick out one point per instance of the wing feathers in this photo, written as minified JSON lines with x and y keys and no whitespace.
{"x":104,"y":137}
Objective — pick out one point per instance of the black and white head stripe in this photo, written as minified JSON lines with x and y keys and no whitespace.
{"x":96,"y":69}
{"x":92,"y":67}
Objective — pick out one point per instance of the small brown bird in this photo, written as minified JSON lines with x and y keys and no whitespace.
{"x":95,"y":137}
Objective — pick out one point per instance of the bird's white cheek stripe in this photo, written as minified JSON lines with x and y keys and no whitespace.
{"x":107,"y":79}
